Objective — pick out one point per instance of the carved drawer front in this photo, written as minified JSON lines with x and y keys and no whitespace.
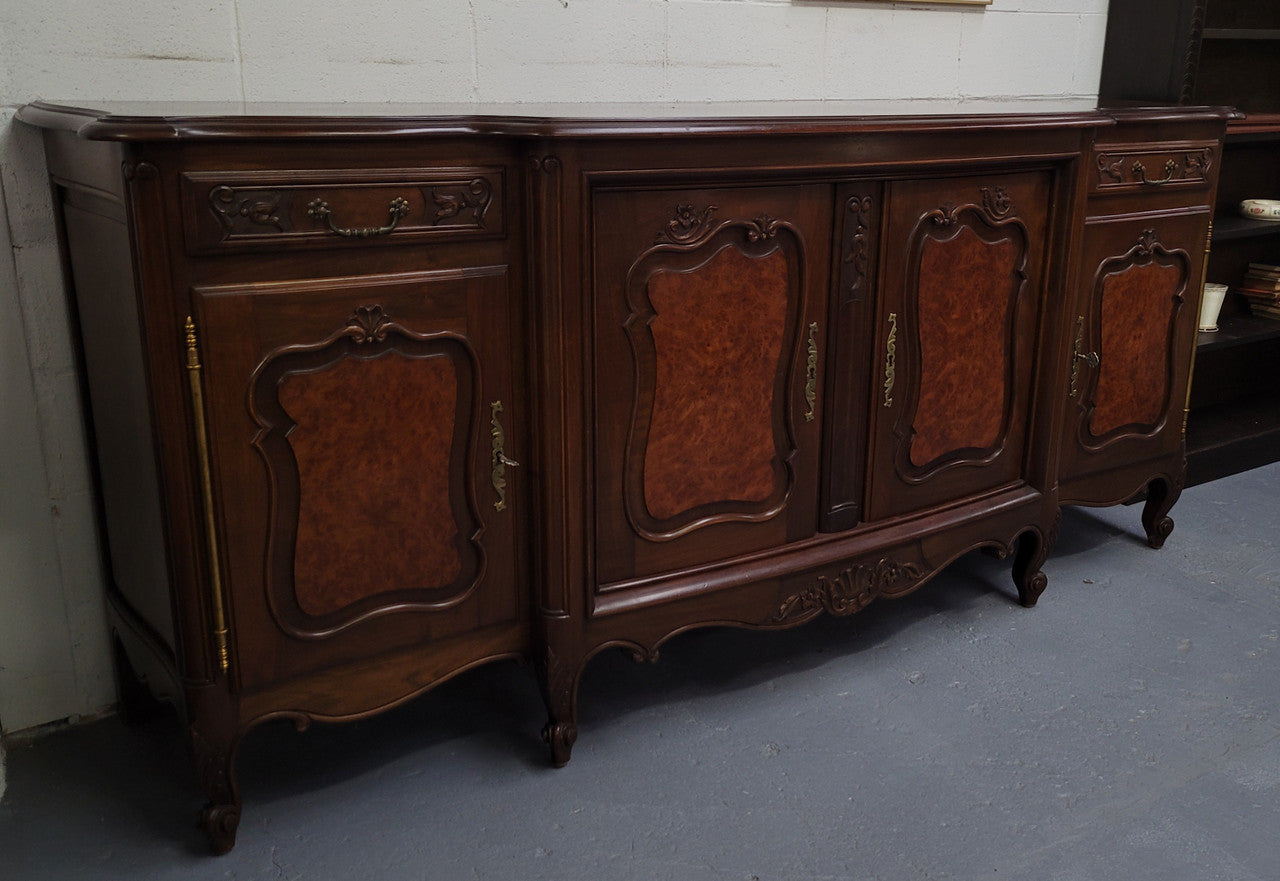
{"x":1120,"y":168}
{"x":360,"y":433}
{"x":239,"y":209}
{"x":963,"y":280}
{"x":1133,"y":334}
{"x":710,"y":348}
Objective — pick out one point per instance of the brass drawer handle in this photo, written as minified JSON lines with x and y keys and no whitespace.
{"x":1140,"y":172}
{"x":500,"y":460}
{"x":319,"y":210}
{"x":811,"y":374}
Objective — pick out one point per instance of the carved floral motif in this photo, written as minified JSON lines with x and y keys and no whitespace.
{"x":1196,"y":163}
{"x":473,"y":196}
{"x":996,"y":201}
{"x":944,"y":216}
{"x":1111,"y":167}
{"x":763,"y":227}
{"x":1119,"y":169}
{"x":239,"y":212}
{"x":687,"y":224}
{"x":856,"y":247}
{"x":849,"y":592}
{"x":1146,"y":244}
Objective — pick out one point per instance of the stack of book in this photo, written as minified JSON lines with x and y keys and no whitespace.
{"x":1261,"y":287}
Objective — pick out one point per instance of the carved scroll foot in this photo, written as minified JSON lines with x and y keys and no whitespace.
{"x":1161,"y":495}
{"x":219,"y":824}
{"x":215,"y":765}
{"x":1033,"y":550}
{"x":560,"y":691}
{"x":560,"y":737}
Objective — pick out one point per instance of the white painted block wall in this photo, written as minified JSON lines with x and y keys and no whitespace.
{"x":53,"y":655}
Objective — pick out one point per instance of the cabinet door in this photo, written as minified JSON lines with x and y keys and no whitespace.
{"x":709,"y":338}
{"x":962,"y":269}
{"x":1133,"y":334}
{"x":358,"y":429}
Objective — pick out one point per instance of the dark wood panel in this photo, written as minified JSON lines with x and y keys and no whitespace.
{"x":1135,"y":326}
{"x":708,"y":306}
{"x":959,"y":318}
{"x":856,"y":255}
{"x":380,"y":581}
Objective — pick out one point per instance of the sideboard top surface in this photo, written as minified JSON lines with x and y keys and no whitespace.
{"x":160,"y":121}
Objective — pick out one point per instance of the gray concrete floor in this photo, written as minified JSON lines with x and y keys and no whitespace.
{"x":1125,"y":728}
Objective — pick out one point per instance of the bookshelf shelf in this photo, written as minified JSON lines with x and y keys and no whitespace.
{"x":1230,"y":437}
{"x":1242,"y":33}
{"x":1236,"y":330}
{"x":1232,"y":226}
{"x":1218,"y":52}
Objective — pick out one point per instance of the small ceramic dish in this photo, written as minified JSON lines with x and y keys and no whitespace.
{"x":1261,"y":209}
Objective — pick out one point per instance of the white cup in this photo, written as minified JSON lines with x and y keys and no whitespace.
{"x":1210,"y":305}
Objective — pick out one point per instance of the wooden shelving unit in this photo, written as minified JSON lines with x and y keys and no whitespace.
{"x":1219,"y":52}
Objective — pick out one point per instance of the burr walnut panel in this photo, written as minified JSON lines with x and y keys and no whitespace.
{"x":1139,"y":299}
{"x":1134,"y":326}
{"x":708,"y":333}
{"x":966,"y":290}
{"x":717,"y":337}
{"x":351,"y":439}
{"x":963,"y":291}
{"x":399,"y":483}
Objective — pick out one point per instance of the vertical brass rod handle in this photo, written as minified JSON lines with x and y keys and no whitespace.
{"x":217,"y":602}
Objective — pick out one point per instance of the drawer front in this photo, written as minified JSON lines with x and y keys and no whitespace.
{"x":1122,"y":168}
{"x":228,"y":211}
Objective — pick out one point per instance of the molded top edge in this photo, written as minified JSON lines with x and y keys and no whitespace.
{"x":158,"y":121}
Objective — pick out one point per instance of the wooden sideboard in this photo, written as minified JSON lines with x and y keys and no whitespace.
{"x":381,"y":395}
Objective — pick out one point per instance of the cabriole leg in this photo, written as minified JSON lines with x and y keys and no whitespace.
{"x":1161,"y":494}
{"x":215,"y":765}
{"x":560,"y":691}
{"x":1033,"y":550}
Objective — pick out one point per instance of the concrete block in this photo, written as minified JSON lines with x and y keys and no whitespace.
{"x":1065,"y":7}
{"x":36,"y":674}
{"x":65,"y":49}
{"x":400,"y":50}
{"x":83,"y":591}
{"x":576,"y":51}
{"x":885,"y":52}
{"x":1019,"y":54}
{"x":727,"y":51}
{"x":1091,"y":39}
{"x":53,"y":589}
